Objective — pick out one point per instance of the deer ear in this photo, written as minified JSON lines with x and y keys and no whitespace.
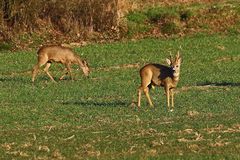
{"x":168,"y":61}
{"x":180,"y":59}
{"x":84,"y":62}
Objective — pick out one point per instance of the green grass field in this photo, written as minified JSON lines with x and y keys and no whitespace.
{"x":96,"y":117}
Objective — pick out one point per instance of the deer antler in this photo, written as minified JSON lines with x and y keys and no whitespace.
{"x":170,"y":57}
{"x":178,"y":55}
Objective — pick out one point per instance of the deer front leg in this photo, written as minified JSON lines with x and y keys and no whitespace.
{"x":69,"y":70}
{"x":168,"y":96}
{"x":66,"y":72}
{"x":139,"y":96}
{"x":172,"y":98}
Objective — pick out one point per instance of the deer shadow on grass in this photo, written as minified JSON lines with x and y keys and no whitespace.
{"x":95,"y":103}
{"x":219,"y":84}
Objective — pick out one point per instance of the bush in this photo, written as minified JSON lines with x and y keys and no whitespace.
{"x":167,"y":19}
{"x":137,"y":17}
{"x":185,"y":15}
{"x":170,"y":28}
{"x":154,"y":14}
{"x":72,"y":16}
{"x":135,"y":29}
{"x":5,"y":46}
{"x":161,"y":14}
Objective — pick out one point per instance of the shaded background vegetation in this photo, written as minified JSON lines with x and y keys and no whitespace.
{"x":29,"y":23}
{"x":75,"y":18}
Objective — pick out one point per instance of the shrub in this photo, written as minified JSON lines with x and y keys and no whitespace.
{"x":135,"y":28}
{"x":170,"y":28}
{"x":154,"y":14}
{"x":5,"y":46}
{"x":185,"y":15}
{"x":137,"y":17}
{"x":64,"y":16}
{"x":161,"y":14}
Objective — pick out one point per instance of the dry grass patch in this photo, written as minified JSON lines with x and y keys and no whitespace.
{"x":192,"y":113}
{"x":117,"y":67}
{"x":228,"y":59}
{"x":223,"y":129}
{"x":194,"y":136}
{"x":206,"y":87}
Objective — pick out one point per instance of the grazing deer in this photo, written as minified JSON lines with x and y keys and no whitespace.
{"x":60,"y":54}
{"x":160,"y":75}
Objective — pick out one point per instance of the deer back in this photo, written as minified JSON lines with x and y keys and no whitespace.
{"x":57,"y":53}
{"x":157,"y":73}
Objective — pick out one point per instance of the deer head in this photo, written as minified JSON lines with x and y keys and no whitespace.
{"x":175,"y":64}
{"x":84,"y":66}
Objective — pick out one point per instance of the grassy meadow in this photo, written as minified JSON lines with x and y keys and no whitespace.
{"x":97,"y":117}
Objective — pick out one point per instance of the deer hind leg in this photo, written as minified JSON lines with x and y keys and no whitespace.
{"x":41,"y":62}
{"x":146,"y":91}
{"x":145,"y":82}
{"x":47,"y":72}
{"x":35,"y":71}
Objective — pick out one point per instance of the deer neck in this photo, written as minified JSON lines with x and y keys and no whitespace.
{"x":78,"y":61}
{"x":176,"y":77}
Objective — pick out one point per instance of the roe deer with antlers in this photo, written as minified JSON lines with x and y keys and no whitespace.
{"x":160,"y":75}
{"x":59,"y":54}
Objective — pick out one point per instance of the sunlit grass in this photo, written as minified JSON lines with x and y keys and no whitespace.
{"x":96,"y":117}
